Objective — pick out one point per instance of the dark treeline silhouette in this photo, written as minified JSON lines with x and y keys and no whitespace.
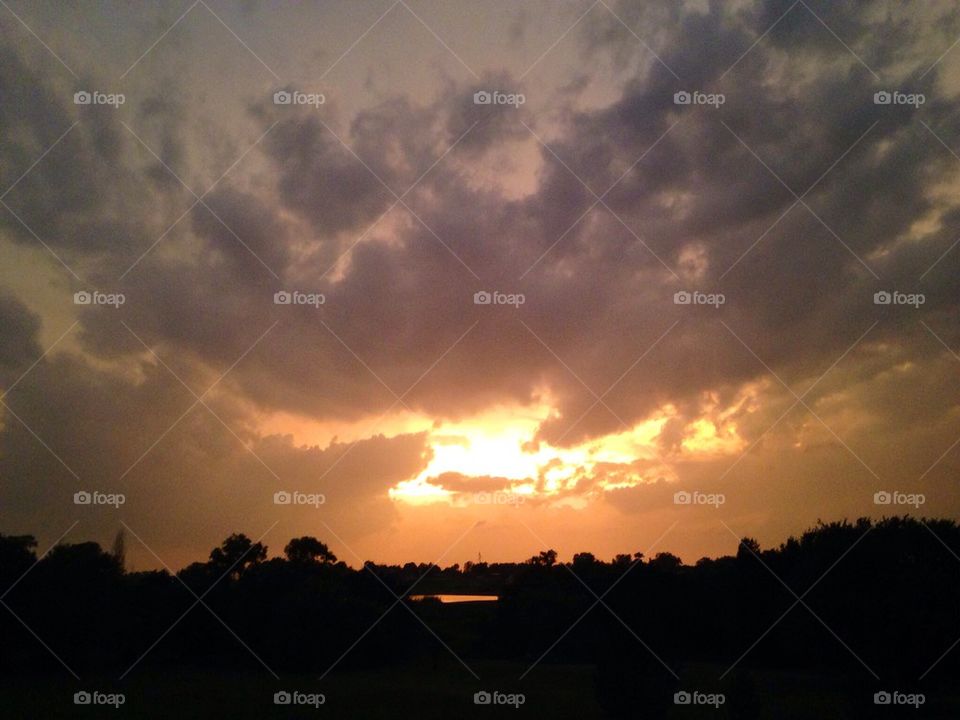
{"x":874,"y":597}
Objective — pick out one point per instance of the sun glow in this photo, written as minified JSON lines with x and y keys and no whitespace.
{"x":497,"y":449}
{"x":500,"y":445}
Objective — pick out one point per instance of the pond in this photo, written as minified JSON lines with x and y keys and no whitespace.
{"x":448,"y":598}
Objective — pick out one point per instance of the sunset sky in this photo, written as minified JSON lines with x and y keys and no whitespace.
{"x":437,"y":428}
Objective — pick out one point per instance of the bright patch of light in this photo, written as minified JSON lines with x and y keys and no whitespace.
{"x":499,"y":444}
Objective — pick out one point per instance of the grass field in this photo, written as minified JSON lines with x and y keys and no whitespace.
{"x":432,"y":693}
{"x":424,"y":693}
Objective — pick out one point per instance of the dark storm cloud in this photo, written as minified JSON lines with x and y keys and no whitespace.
{"x":799,"y":296}
{"x":321,"y":180}
{"x":20,"y":347}
{"x":735,"y":199}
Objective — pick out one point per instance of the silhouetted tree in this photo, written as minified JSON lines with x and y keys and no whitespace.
{"x":237,"y":553}
{"x":119,"y":550}
{"x":308,"y":550}
{"x":546,"y":558}
{"x":665,"y":561}
{"x":584,"y":561}
{"x":747,"y":549}
{"x":16,"y":552}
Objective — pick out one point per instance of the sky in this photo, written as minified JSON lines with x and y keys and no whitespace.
{"x":499,"y":277}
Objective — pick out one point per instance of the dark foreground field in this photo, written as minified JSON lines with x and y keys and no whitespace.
{"x":435,"y":693}
{"x":830,"y":625}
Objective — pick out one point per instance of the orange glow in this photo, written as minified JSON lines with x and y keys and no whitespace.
{"x":497,"y":445}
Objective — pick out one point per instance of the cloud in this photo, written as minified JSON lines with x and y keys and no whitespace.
{"x":459,"y":483}
{"x":20,"y":346}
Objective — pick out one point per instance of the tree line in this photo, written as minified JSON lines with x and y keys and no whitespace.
{"x":845,"y":599}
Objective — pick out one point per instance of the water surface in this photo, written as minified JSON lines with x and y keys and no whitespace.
{"x":446,"y":598}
